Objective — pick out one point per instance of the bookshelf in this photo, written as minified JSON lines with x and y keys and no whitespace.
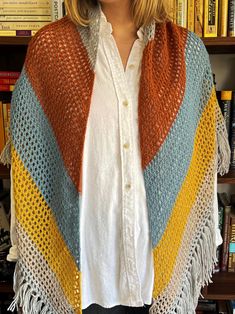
{"x":12,"y":53}
{"x":222,"y":288}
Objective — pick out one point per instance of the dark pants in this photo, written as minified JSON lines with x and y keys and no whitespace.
{"x":119,"y":309}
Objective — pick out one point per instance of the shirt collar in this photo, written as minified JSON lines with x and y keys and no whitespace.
{"x":106,"y":27}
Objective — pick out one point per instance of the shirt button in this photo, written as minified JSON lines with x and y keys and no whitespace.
{"x":126,"y":145}
{"x":131,"y":66}
{"x":128,"y":186}
{"x":125,"y":103}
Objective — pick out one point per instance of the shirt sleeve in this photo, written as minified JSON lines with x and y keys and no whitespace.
{"x":13,"y":252}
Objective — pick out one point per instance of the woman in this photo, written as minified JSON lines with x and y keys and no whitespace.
{"x":116,"y":141}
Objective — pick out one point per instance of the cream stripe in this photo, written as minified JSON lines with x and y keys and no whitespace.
{"x":43,"y":277}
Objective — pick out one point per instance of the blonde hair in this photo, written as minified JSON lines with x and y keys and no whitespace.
{"x":143,"y":11}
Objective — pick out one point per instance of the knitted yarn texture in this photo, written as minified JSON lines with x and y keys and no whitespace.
{"x":183,"y":142}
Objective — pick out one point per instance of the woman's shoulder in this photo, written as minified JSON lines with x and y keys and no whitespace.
{"x":53,"y":34}
{"x":186,"y":39}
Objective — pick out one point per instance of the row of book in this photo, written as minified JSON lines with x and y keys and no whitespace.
{"x":25,"y":18}
{"x":207,"y":18}
{"x":226,"y":251}
{"x":7,"y":83}
{"x":215,"y":307}
{"x":226,"y":99}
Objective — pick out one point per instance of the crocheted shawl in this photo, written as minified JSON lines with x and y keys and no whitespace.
{"x":183,"y":143}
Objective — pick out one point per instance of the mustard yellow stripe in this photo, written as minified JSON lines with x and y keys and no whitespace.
{"x":166,"y":251}
{"x":37,"y":220}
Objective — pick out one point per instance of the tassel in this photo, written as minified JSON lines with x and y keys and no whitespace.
{"x":196,"y":276}
{"x":5,"y":157}
{"x":26,"y":298}
{"x":224,"y":153}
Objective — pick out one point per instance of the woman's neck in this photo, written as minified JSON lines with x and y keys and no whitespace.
{"x":118,"y":13}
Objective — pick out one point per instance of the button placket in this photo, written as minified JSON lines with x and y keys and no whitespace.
{"x":126,"y":139}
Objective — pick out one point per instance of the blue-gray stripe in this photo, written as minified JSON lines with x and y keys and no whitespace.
{"x":35,"y":143}
{"x":165,"y":174}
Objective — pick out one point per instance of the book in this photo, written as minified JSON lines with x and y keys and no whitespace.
{"x":7,"y":81}
{"x":19,"y":33}
{"x":172,"y":10}
{"x":231,"y":18}
{"x":223,"y":18}
{"x":181,"y":12}
{"x":232,"y":133}
{"x":8,"y":26}
{"x":6,"y":88}
{"x":9,"y":74}
{"x":2,"y":135}
{"x":57,"y":10}
{"x":6,"y":119}
{"x":220,"y":226}
{"x":199,"y":17}
{"x":206,"y":305}
{"x":191,"y":14}
{"x":223,"y":198}
{"x":4,"y":222}
{"x":222,"y":307}
{"x":210,"y":18}
{"x":225,"y":102}
{"x":24,"y":3}
{"x":231,"y":257}
{"x":24,"y":11}
{"x":231,"y":305}
{"x":13,"y":18}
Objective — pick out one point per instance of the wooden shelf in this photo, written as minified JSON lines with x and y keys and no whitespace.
{"x":6,"y":287}
{"x":5,"y":40}
{"x":217,"y":45}
{"x":4,"y":172}
{"x":214,"y":44}
{"x":222,"y":288}
{"x":228,"y":178}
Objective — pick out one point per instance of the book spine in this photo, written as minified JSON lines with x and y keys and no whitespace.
{"x":2,"y":137}
{"x":6,"y":88}
{"x":232,"y":133}
{"x":6,"y":120}
{"x":8,"y":26}
{"x":225,"y":103}
{"x":172,"y":10}
{"x":223,"y":18}
{"x":225,"y":236}
{"x":231,"y":258}
{"x":181,"y":13}
{"x":7,"y":81}
{"x":220,"y":225}
{"x":210,"y":18}
{"x":15,"y":3}
{"x":191,"y":14}
{"x":9,"y":74}
{"x":13,"y":18}
{"x":4,"y":106}
{"x":25,"y":11}
{"x":57,"y":10}
{"x":199,"y":12}
{"x":231,"y":18}
{"x":20,"y":33}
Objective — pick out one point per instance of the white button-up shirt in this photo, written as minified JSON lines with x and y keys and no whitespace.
{"x":116,"y":254}
{"x":116,"y":257}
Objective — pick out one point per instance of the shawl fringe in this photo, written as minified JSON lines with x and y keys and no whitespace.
{"x":197,"y":275}
{"x":5,"y":156}
{"x":224,"y":152}
{"x":26,"y":297}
